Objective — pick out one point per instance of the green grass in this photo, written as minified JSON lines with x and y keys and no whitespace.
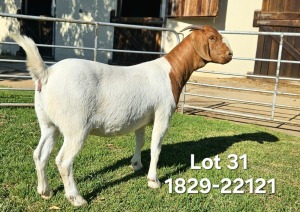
{"x":105,"y":179}
{"x":8,"y":96}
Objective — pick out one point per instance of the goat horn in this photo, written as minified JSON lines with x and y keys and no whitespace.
{"x":192,"y":27}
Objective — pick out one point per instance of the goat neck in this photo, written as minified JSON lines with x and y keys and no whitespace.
{"x":183,"y":60}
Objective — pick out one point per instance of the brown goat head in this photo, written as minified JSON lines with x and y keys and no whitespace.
{"x":210,"y":44}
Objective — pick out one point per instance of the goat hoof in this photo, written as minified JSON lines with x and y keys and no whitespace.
{"x":155,"y":184}
{"x":77,"y":200}
{"x":136,"y":166}
{"x":47,"y":195}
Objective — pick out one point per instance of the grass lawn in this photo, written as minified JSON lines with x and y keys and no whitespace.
{"x":105,"y":179}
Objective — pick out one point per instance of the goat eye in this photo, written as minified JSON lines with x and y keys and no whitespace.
{"x":212,"y":38}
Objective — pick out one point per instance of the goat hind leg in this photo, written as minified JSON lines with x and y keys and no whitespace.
{"x":64,"y":161}
{"x":136,"y":162}
{"x":41,"y":155}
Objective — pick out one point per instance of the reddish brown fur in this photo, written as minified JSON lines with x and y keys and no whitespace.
{"x":197,"y":49}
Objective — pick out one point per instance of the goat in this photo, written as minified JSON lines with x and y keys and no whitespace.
{"x":79,"y":97}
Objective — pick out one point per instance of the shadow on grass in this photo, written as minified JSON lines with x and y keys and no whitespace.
{"x":177,"y":155}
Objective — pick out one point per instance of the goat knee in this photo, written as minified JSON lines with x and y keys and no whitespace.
{"x":63,"y":168}
{"x":36,"y":155}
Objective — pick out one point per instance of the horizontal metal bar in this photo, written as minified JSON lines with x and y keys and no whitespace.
{"x":244,"y":101}
{"x":288,"y":94}
{"x":92,"y":49}
{"x":287,"y":107}
{"x":130,"y":51}
{"x":242,"y":114}
{"x":234,"y":74}
{"x":289,"y":78}
{"x":259,"y":33}
{"x":54,"y":46}
{"x":16,"y":104}
{"x":245,"y":75}
{"x":230,"y":99}
{"x":226,"y":112}
{"x":16,"y":89}
{"x":229,"y":87}
{"x":66,"y":47}
{"x":254,"y":59}
{"x":14,"y":76}
{"x":44,"y":18}
{"x":22,"y":61}
{"x":266,"y":60}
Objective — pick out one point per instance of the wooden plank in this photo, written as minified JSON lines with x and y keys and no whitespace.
{"x":180,"y":5}
{"x":288,"y":7}
{"x":186,"y":9}
{"x":259,"y":51}
{"x":286,"y":23}
{"x":214,"y":5}
{"x":265,"y":5}
{"x":295,"y":69}
{"x":288,"y":66}
{"x":193,"y":8}
{"x":204,"y":7}
{"x":273,"y":6}
{"x":266,"y":55}
{"x":294,"y":5}
{"x":280,"y":6}
{"x":277,"y":15}
{"x":273,"y":55}
{"x":255,"y":18}
{"x":193,"y":5}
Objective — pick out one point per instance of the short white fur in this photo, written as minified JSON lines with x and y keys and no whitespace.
{"x":225,"y":40}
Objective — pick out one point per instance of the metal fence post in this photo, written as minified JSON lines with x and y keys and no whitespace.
{"x":96,"y":40}
{"x":277,"y":75}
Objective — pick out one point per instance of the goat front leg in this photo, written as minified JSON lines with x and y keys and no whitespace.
{"x":41,"y":155}
{"x":136,"y":162}
{"x":160,"y":127}
{"x":64,"y":161}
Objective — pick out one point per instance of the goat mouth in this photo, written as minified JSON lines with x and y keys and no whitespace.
{"x":226,"y":59}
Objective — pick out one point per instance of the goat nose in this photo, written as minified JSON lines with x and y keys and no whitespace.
{"x":230,"y":53}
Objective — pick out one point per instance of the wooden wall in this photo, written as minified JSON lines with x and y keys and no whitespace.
{"x":278,"y":16}
{"x":190,"y":8}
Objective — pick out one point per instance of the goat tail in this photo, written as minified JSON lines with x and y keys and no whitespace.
{"x":35,"y":63}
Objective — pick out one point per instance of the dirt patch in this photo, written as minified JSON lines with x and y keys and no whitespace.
{"x":18,"y":69}
{"x":17,"y":83}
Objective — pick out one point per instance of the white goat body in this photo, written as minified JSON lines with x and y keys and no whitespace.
{"x":80,"y":97}
{"x":109,"y":100}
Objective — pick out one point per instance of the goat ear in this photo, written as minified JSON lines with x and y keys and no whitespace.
{"x":201,"y":45}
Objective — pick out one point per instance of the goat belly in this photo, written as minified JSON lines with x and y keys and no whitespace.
{"x":116,"y":130}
